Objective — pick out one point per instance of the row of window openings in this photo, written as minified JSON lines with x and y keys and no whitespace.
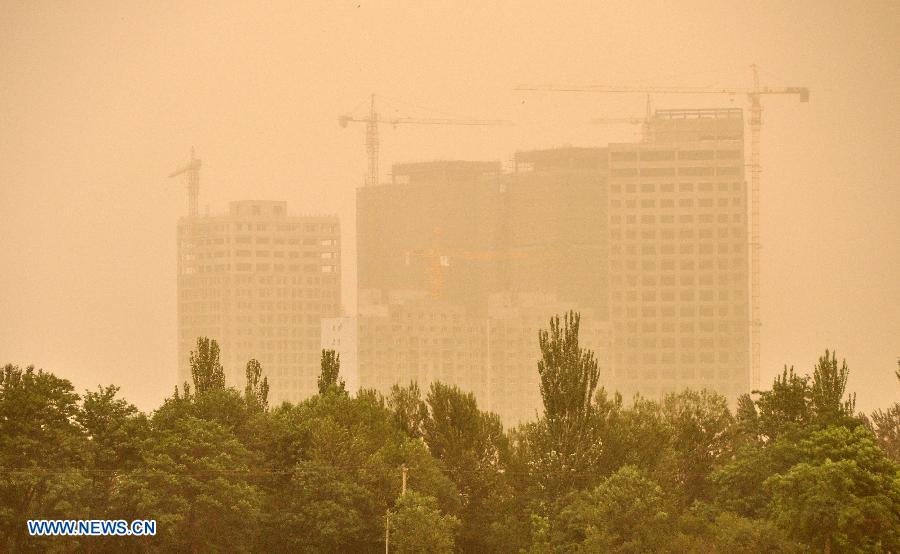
{"x":702,"y":171}
{"x":276,"y":292}
{"x":706,"y":263}
{"x":685,"y":357}
{"x":669,"y":233}
{"x":682,"y":203}
{"x":187,"y":257}
{"x":669,"y":249}
{"x":632,"y":312}
{"x":198,"y":239}
{"x":668,"y":264}
{"x":666,"y":155}
{"x":684,"y":342}
{"x":188,"y":320}
{"x":685,"y":294}
{"x":199,"y":285}
{"x":669,"y":327}
{"x":195,"y":268}
{"x":280,"y":227}
{"x":682,"y":219}
{"x":217,"y":293}
{"x":683,"y":248}
{"x":707,"y":202}
{"x":682,"y":187}
{"x":280,"y":267}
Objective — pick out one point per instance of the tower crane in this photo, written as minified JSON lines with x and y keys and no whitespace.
{"x":192,"y":172}
{"x":754,"y":96}
{"x":374,"y":119}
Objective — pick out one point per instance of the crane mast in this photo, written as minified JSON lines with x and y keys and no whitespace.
{"x":755,"y":170}
{"x":191,"y":170}
{"x":373,"y":141}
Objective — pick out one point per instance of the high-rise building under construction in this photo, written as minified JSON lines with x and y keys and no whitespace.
{"x":649,"y":238}
{"x":678,"y":279}
{"x":259,"y":281}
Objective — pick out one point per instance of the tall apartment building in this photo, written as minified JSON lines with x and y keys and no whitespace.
{"x":678,"y":266}
{"x":259,"y":282}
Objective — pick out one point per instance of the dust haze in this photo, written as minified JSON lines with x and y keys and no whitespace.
{"x":100,"y":101}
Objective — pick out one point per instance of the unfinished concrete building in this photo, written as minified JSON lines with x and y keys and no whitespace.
{"x":649,"y":240}
{"x":679,"y":300}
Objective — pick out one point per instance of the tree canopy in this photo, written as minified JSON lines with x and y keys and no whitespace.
{"x":790,"y":468}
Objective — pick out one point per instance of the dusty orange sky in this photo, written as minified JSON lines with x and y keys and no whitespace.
{"x":100,"y":100}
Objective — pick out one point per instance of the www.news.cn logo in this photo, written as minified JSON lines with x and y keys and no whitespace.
{"x":91,"y":527}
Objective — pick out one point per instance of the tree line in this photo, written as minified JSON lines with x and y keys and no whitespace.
{"x":793,"y":468}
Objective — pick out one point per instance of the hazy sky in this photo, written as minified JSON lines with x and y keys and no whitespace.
{"x":99,"y":101}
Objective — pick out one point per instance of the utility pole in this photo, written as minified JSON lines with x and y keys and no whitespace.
{"x":387,"y":516}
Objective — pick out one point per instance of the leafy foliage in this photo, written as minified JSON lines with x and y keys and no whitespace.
{"x":418,"y":526}
{"x":844,"y":495}
{"x":40,"y":448}
{"x":410,"y":411}
{"x":256,"y":393}
{"x":206,"y":371}
{"x":329,"y":379}
{"x":625,"y":513}
{"x":791,"y":470}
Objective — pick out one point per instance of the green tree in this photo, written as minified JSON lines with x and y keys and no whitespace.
{"x":472,"y":446}
{"x":637,"y":435}
{"x":568,"y":379}
{"x":195,"y":483}
{"x":256,"y":391}
{"x":41,"y":452}
{"x":886,"y":424}
{"x":410,"y":411}
{"x":739,"y":481}
{"x":115,"y":431}
{"x":335,"y":454}
{"x":206,"y":371}
{"x":417,"y":526}
{"x":329,"y":378}
{"x":844,"y":495}
{"x":625,"y":513}
{"x":699,"y":425}
{"x":785,"y":408}
{"x":569,"y":376}
{"x":703,"y":529}
{"x":225,"y":406}
{"x":746,"y":421}
{"x":827,"y":390}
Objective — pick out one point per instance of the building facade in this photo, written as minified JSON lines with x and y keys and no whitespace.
{"x":411,"y":337}
{"x":678,"y":264}
{"x":648,"y":240}
{"x":259,"y":282}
